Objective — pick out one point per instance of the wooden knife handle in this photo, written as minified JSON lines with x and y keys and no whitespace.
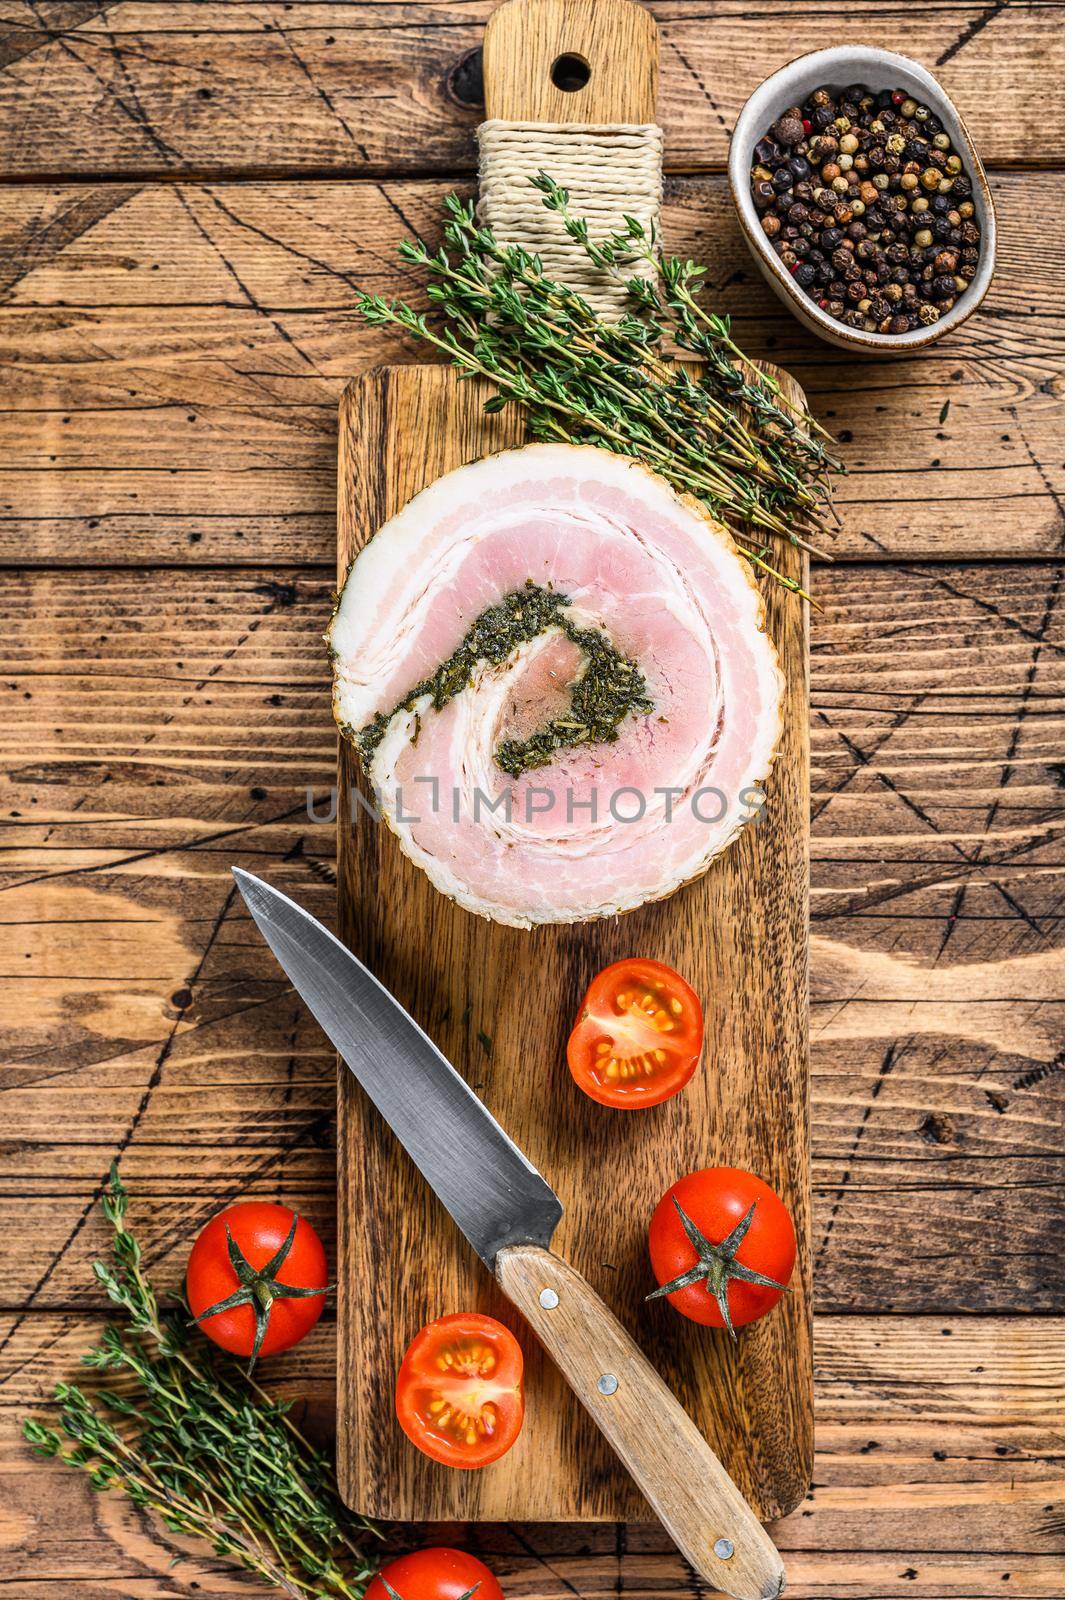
{"x":698,"y":1503}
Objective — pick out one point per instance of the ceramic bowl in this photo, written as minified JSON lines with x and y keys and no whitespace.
{"x":879,"y":69}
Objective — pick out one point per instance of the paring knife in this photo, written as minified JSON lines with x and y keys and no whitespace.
{"x":509,"y":1213}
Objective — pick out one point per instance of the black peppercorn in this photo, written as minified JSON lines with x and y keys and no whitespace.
{"x":942,"y":288}
{"x":805,"y":275}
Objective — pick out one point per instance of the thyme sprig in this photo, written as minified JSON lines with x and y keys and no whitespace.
{"x":727,"y":434}
{"x":189,"y":1437}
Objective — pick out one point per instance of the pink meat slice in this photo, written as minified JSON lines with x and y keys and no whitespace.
{"x":603,"y":827}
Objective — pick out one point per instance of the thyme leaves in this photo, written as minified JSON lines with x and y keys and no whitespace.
{"x":186,"y":1436}
{"x":727,"y":435}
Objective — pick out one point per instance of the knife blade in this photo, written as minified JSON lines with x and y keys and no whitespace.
{"x":509,"y":1213}
{"x":493,"y":1192}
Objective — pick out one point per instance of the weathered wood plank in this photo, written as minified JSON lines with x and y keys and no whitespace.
{"x":173,"y":724}
{"x":128,"y":86}
{"x":173,"y":356}
{"x":938,"y":1473}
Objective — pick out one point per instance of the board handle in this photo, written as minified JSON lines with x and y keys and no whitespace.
{"x":537,"y":52}
{"x":685,"y":1483}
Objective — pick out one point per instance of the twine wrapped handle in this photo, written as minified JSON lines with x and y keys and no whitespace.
{"x":610,"y":172}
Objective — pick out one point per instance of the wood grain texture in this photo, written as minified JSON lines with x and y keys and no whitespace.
{"x":213,"y":86}
{"x":173,"y":356}
{"x":617,"y":40}
{"x":160,"y":722}
{"x":938,"y":1475}
{"x":158,"y":726}
{"x":400,"y":429}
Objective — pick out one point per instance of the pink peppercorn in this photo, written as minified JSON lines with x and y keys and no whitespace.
{"x":807,"y":126}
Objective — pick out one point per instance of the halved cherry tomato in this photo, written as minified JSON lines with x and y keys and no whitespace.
{"x":638,"y":1035}
{"x":722,"y":1247}
{"x":459,"y":1394}
{"x":435,"y":1574}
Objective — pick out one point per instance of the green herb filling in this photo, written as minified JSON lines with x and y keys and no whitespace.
{"x":607,"y":687}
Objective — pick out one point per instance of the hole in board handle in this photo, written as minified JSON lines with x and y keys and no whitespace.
{"x":570,"y":73}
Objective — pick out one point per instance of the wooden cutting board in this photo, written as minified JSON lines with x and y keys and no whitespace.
{"x":500,"y":1002}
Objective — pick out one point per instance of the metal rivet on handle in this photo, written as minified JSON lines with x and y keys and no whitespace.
{"x":724,"y":1549}
{"x":548,"y":1299}
{"x":607,"y":1384}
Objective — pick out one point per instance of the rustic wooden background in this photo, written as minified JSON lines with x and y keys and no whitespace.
{"x":189,"y":193}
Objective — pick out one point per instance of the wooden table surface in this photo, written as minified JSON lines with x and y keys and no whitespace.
{"x":190,"y":191}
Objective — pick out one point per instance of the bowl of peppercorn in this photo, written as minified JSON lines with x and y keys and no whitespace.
{"x":863,"y":200}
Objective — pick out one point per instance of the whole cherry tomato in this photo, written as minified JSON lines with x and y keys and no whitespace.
{"x":459,"y":1394}
{"x":722,"y":1247}
{"x":435,"y":1574}
{"x":638,"y":1035}
{"x":256,"y":1279}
